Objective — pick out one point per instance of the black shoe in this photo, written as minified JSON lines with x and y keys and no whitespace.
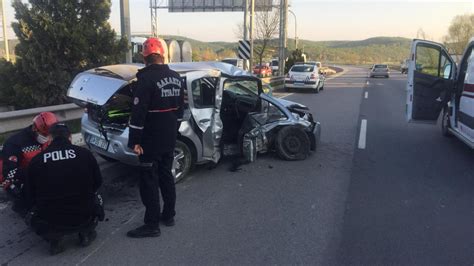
{"x":56,"y":247}
{"x":167,"y":222}
{"x":86,"y":238}
{"x":144,"y":231}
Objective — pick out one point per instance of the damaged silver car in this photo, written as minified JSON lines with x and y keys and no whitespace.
{"x":228,"y":114}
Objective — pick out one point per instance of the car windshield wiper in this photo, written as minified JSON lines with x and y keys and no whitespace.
{"x":107,"y":72}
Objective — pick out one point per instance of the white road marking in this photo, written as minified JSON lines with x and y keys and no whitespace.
{"x":107,"y":238}
{"x":366,"y":95}
{"x":363,"y":134}
{"x":367,"y":83}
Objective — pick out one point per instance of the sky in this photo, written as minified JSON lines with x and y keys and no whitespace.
{"x":316,"y":19}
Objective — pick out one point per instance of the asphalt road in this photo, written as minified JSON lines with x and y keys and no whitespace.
{"x":411,"y":198}
{"x":407,"y":198}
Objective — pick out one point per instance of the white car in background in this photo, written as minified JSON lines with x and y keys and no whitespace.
{"x":304,"y":77}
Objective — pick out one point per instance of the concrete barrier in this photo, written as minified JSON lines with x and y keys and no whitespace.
{"x":15,"y":120}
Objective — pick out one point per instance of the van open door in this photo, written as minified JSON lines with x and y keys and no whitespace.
{"x":431,"y":72}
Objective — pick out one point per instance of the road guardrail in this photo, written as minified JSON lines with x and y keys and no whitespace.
{"x":16,"y":120}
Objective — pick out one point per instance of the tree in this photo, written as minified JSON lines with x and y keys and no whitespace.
{"x":267,"y":24}
{"x":59,"y":39}
{"x":459,"y":33}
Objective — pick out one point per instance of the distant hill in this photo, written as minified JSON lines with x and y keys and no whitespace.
{"x":368,"y":51}
{"x":387,"y":41}
{"x":373,"y":50}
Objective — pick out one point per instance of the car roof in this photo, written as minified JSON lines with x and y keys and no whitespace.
{"x":128,"y":72}
{"x":305,"y":65}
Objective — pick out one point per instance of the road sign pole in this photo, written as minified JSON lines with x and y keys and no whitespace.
{"x":252,"y":22}
{"x":125,"y":27}
{"x":246,"y":27}
{"x":154,"y":17}
{"x":5,"y":35}
{"x":283,"y":36}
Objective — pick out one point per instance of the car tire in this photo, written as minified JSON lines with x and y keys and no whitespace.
{"x":445,"y":123}
{"x":107,"y":158}
{"x":292,"y":143}
{"x":387,"y":76}
{"x":183,"y":161}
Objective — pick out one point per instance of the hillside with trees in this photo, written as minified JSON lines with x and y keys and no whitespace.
{"x":369,"y":51}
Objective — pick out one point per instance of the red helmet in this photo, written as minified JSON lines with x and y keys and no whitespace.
{"x":43,"y":121}
{"x":152,"y":46}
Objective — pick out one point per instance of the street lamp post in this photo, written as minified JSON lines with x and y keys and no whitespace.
{"x":296,"y":28}
{"x":5,"y":35}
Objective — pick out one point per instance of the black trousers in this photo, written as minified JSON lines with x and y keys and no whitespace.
{"x":53,"y":232}
{"x":156,"y":176}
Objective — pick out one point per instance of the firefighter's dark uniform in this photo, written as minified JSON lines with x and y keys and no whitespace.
{"x":17,"y":153}
{"x":61,"y":188}
{"x":157,"y":106}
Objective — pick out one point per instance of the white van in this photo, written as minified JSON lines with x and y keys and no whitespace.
{"x":275,"y":66}
{"x":435,"y":84}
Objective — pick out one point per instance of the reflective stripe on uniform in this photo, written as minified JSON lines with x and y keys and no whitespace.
{"x":136,"y":127}
{"x":163,"y":110}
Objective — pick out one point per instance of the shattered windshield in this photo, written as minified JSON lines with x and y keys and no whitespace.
{"x":242,"y":87}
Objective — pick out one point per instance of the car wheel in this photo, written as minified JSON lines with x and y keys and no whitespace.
{"x":387,"y":76}
{"x":183,"y":161}
{"x":107,"y":158}
{"x":292,"y":143}
{"x":445,"y":123}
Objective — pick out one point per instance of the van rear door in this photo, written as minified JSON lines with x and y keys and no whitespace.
{"x":431,"y":72}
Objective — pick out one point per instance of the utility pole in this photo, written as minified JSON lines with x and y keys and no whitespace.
{"x":246,"y":27}
{"x":283,"y":36}
{"x":5,"y":35}
{"x":125,"y":27}
{"x":154,"y":17}
{"x":296,"y":29}
{"x":252,"y":24}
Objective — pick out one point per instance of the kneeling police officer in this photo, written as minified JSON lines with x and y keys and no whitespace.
{"x":61,"y":190}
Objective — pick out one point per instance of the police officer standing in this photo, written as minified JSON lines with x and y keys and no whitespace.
{"x":157,"y":106}
{"x":61,"y":189}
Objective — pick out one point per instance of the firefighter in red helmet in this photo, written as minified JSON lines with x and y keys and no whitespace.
{"x":17,"y":152}
{"x":157,"y":107}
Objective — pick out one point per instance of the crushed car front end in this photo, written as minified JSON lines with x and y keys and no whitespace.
{"x":265,"y":132}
